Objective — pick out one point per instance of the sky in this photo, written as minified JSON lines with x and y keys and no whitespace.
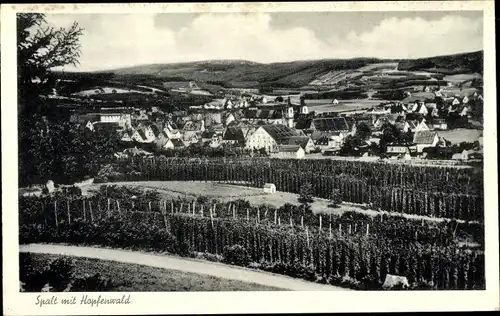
{"x":121,"y":40}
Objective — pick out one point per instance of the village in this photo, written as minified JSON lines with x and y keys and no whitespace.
{"x":287,"y":127}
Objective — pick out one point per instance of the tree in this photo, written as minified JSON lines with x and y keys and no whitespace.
{"x":335,"y":198}
{"x":306,"y":196}
{"x":39,"y":49}
{"x":363,"y":131}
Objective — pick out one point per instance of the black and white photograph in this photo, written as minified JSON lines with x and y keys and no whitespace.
{"x":266,"y":151}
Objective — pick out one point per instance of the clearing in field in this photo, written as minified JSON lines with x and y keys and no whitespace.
{"x":230,"y":192}
{"x":325,"y":105}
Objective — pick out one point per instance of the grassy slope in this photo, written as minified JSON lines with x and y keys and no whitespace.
{"x":138,"y":278}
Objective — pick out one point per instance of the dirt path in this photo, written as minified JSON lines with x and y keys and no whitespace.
{"x":187,"y":265}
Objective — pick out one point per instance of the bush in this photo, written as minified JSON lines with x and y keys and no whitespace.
{"x":335,"y":198}
{"x":60,"y":273}
{"x":94,"y":283}
{"x":236,"y":255}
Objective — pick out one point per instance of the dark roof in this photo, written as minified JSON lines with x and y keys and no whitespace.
{"x":303,"y":123}
{"x":106,"y":127}
{"x":323,"y":137}
{"x":288,"y":148}
{"x":424,"y":137}
{"x":234,"y":133}
{"x":142,"y":134}
{"x":279,"y":132}
{"x":177,"y":142}
{"x":298,"y":140}
{"x":155,"y":129}
{"x":330,"y":124}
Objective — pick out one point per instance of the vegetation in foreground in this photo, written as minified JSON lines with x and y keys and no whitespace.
{"x":43,"y":272}
{"x":359,"y":254}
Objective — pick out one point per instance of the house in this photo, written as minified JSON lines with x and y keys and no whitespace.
{"x":455,"y":102}
{"x":126,"y":137}
{"x":89,"y":126}
{"x":140,"y":136}
{"x":386,"y":119}
{"x":269,"y":136}
{"x":171,"y":131}
{"x":106,"y":128}
{"x":190,"y":137}
{"x":329,"y":124}
{"x":464,"y":155}
{"x":269,"y":188}
{"x":398,"y":149}
{"x":335,"y":101}
{"x":233,"y":135}
{"x":288,"y":151}
{"x":136,"y":152}
{"x":465,"y":100}
{"x":439,"y":124}
{"x":304,"y":141}
{"x":228,"y":118}
{"x":464,"y":111}
{"x":173,"y":144}
{"x":424,"y":139}
{"x":123,"y":119}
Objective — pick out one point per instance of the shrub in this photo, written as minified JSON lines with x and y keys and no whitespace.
{"x":335,"y":198}
{"x":236,"y":255}
{"x":95,"y":283}
{"x":60,"y":273}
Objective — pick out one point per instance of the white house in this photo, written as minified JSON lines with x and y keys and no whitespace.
{"x":89,"y":125}
{"x":171,"y":132}
{"x":126,"y":137}
{"x":289,"y":151}
{"x":455,"y":101}
{"x":269,"y":136}
{"x":336,"y":140}
{"x":424,"y":139}
{"x":335,"y":101}
{"x":269,"y":188}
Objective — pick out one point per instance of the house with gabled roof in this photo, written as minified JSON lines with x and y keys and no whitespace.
{"x":269,"y":136}
{"x":304,"y":141}
{"x":233,"y":135}
{"x":126,"y":137}
{"x":424,"y":139}
{"x":140,"y":137}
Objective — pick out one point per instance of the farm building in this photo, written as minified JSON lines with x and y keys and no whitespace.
{"x":269,"y":137}
{"x":440,"y":124}
{"x":304,"y":141}
{"x":269,"y":188}
{"x":289,"y":151}
{"x":234,"y":135}
{"x":424,"y":139}
{"x":329,"y":124}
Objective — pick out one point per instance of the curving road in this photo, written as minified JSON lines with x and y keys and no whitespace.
{"x":187,"y":265}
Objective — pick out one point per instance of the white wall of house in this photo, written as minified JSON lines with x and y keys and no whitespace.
{"x":260,"y":139}
{"x":300,"y":153}
{"x":420,"y":147}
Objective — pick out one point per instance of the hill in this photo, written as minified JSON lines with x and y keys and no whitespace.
{"x":326,"y":74}
{"x":451,"y":64}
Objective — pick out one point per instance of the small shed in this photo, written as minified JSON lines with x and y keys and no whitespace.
{"x":269,"y":188}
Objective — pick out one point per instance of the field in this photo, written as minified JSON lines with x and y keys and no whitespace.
{"x":459,"y":135}
{"x":128,"y":277}
{"x":325,"y":105}
{"x":229,"y":192}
